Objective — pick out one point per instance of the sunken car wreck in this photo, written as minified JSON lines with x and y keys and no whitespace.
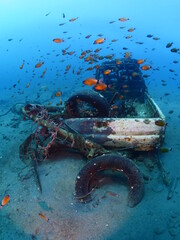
{"x":124,"y":117}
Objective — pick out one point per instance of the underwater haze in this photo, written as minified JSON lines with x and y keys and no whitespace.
{"x":50,"y":50}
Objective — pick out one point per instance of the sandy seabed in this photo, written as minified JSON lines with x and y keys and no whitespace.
{"x":107,"y":218}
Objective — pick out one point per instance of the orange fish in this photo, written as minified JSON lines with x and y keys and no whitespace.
{"x":43,"y":217}
{"x":39,"y":64}
{"x":127,"y":54}
{"x":100,"y":87}
{"x":5,"y":201}
{"x":127,"y":37}
{"x":22,"y":65}
{"x":68,"y":67}
{"x":140,"y":61}
{"x":58,"y":94}
{"x":146,"y":67}
{"x":131,"y":29}
{"x":97,"y":66}
{"x":135,"y":74}
{"x":118,"y":62}
{"x":99,"y":40}
{"x":43,"y":73}
{"x":88,"y":59}
{"x":71,"y":53}
{"x":160,"y":123}
{"x":89,"y":68}
{"x":90,"y":81}
{"x":124,"y":86}
{"x":114,"y":107}
{"x":121,"y":97}
{"x":106,"y":72}
{"x":97,"y":50}
{"x":58,"y":40}
{"x":123,"y":19}
{"x":73,"y":19}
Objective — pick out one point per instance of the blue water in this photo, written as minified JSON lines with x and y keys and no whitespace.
{"x":27,"y":30}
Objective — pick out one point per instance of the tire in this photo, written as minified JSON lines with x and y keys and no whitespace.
{"x":94,"y":99}
{"x":113,"y":162}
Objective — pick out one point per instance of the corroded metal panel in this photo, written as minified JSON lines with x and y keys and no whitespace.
{"x":139,"y":134}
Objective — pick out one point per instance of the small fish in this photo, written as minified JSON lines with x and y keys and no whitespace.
{"x":146,"y":75}
{"x":140,"y":61}
{"x":58,"y":40}
{"x":114,"y":107}
{"x":111,"y":22}
{"x":99,"y":40}
{"x":160,"y":123}
{"x":58,"y":94}
{"x":43,"y":73}
{"x":127,"y":54}
{"x":27,"y":85}
{"x":165,"y":150}
{"x":127,"y":37}
{"x":97,"y":66}
{"x":131,"y":29}
{"x":135,"y":74}
{"x":5,"y":201}
{"x":140,"y":43}
{"x":64,"y":15}
{"x":149,"y":36}
{"x":169,"y":45}
{"x":68,"y":67}
{"x":114,"y":40}
{"x":175,"y":50}
{"x":89,"y":68}
{"x":118,"y":62}
{"x":60,"y":102}
{"x":61,"y":24}
{"x":97,"y":50}
{"x":156,"y":38}
{"x":73,"y":19}
{"x":43,"y":217}
{"x":10,"y":39}
{"x":22,"y":65}
{"x":106,"y":72}
{"x":88,"y":36}
{"x":146,"y":67}
{"x":39,"y":64}
{"x":121,"y":97}
{"x":100,"y":87}
{"x":110,"y":56}
{"x":70,"y":53}
{"x":90,"y":81}
{"x":47,"y":14}
{"x":123,"y":19}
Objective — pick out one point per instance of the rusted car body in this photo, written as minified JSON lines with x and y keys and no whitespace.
{"x":133,"y":121}
{"x":138,"y":133}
